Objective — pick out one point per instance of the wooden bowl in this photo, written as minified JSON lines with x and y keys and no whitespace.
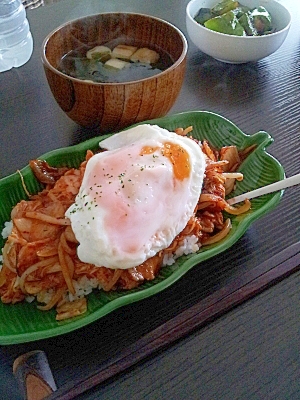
{"x":114,"y":106}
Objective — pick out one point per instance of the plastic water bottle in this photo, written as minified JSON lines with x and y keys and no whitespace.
{"x":16,"y":42}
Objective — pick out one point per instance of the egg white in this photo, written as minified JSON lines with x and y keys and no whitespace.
{"x":130,"y":206}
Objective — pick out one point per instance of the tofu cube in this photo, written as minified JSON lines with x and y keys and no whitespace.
{"x":145,"y":55}
{"x":116,"y":64}
{"x":98,"y":52}
{"x":123,"y":51}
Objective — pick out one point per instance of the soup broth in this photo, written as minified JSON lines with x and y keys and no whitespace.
{"x":98,"y":68}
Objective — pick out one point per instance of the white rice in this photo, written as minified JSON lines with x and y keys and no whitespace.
{"x":29,"y":299}
{"x":188,"y":246}
{"x":83,"y":286}
{"x":6,"y":231}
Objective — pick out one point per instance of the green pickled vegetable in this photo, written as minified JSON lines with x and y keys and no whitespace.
{"x":224,"y":6}
{"x":233,"y":18}
{"x":247,"y":23}
{"x":203,"y":15}
{"x":226,"y":23}
{"x":241,"y":10}
{"x":261,"y":20}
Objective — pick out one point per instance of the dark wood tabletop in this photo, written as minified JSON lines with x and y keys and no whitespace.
{"x":250,"y":352}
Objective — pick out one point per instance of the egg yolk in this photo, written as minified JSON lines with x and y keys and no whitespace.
{"x":177,"y":155}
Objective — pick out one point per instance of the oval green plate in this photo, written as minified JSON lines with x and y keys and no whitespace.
{"x":23,"y":322}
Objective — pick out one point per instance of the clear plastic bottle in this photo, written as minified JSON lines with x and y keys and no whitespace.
{"x":16,"y":42}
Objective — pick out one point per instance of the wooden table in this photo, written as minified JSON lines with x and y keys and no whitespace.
{"x":252,"y":351}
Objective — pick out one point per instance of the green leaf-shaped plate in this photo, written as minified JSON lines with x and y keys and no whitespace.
{"x":23,"y":322}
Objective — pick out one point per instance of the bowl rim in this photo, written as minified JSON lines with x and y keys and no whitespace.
{"x":181,"y":58}
{"x":262,"y":37}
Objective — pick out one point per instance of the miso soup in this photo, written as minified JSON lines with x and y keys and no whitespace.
{"x":114,"y":63}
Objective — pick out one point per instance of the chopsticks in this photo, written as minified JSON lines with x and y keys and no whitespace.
{"x":273,"y":187}
{"x":249,"y":284}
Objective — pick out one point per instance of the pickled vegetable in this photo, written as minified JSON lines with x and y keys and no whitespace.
{"x":234,"y":18}
{"x":226,"y":23}
{"x":247,"y":23}
{"x":261,"y":20}
{"x":224,"y":6}
{"x":203,"y":15}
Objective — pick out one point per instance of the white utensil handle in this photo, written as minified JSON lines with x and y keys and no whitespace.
{"x":273,"y":187}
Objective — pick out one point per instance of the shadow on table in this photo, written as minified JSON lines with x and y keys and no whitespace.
{"x":220,"y":81}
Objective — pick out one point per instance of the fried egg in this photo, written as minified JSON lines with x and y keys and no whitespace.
{"x":136,"y":196}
